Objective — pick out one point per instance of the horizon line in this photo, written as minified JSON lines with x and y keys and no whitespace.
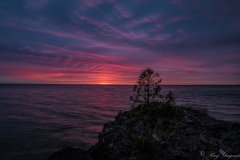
{"x":111,"y":84}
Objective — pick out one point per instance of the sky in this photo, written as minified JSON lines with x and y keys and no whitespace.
{"x":113,"y":41}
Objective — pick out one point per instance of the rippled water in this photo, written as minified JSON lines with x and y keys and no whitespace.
{"x":37,"y":120}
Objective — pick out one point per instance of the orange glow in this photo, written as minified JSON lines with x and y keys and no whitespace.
{"x":104,"y":83}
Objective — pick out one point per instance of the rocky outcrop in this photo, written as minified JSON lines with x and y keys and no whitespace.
{"x":70,"y":154}
{"x":167,"y":133}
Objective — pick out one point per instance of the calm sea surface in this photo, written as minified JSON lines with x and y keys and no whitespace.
{"x":37,"y":120}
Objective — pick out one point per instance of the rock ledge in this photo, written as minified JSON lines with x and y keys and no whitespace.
{"x":162,"y":132}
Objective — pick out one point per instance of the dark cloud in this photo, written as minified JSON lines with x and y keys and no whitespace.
{"x":196,"y":38}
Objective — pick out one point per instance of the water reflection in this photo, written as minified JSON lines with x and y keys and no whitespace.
{"x":40,"y":119}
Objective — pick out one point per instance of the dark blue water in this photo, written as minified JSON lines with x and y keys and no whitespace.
{"x":37,"y":120}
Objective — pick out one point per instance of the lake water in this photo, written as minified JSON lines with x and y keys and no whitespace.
{"x":37,"y":120}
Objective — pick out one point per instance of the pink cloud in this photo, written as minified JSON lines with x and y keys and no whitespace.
{"x":94,"y":3}
{"x":148,"y":19}
{"x":125,"y":13}
{"x":87,"y":74}
{"x":69,"y":70}
{"x":84,"y":67}
{"x":7,"y":24}
{"x":52,"y":32}
{"x":229,"y":70}
{"x":181,"y":31}
{"x":175,"y":19}
{"x":112,"y":31}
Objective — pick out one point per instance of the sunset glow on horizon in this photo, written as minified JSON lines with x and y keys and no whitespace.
{"x":111,"y":42}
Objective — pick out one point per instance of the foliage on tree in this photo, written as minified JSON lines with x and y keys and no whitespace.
{"x":146,"y":88}
{"x":170,"y":99}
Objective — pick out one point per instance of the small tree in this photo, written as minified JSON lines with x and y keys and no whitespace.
{"x":146,"y":88}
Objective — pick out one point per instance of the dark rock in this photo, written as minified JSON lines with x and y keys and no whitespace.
{"x":160,"y":137}
{"x":70,"y":154}
{"x":190,"y":121}
{"x":188,"y":135}
{"x":203,"y":139}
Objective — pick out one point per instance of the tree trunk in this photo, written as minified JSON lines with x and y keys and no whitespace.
{"x":147,"y":95}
